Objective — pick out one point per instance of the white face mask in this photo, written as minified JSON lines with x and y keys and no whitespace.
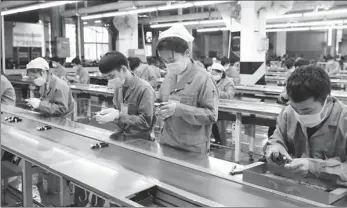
{"x":54,"y":65}
{"x":39,"y":81}
{"x":311,"y":120}
{"x":115,"y":83}
{"x":176,"y":68}
{"x":217,"y":77}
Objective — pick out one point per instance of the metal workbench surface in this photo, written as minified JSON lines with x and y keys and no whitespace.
{"x":217,"y":189}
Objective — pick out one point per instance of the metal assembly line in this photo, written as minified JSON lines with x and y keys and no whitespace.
{"x":132,"y":165}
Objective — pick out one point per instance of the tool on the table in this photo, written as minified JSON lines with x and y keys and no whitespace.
{"x":98,"y":145}
{"x":13,"y":119}
{"x":43,"y":128}
{"x":280,"y":160}
{"x":158,"y":105}
{"x":234,"y":171}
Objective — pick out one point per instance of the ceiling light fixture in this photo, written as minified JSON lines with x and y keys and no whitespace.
{"x":201,"y":22}
{"x":36,"y":7}
{"x":152,"y":9}
{"x":301,"y":24}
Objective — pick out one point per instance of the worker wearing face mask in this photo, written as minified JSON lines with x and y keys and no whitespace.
{"x":332,"y":67}
{"x":188,"y":94}
{"x":133,"y":112}
{"x":55,"y":94}
{"x":226,"y":89}
{"x":233,"y":71}
{"x":58,"y":69}
{"x":142,"y":70}
{"x":82,"y":75}
{"x":311,"y":131}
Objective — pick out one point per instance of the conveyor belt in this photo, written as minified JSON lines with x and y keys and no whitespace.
{"x":204,"y":185}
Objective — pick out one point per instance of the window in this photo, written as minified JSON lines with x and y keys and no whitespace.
{"x":70,"y":32}
{"x":96,"y":41}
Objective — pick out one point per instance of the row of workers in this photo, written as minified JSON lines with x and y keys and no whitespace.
{"x":311,"y":131}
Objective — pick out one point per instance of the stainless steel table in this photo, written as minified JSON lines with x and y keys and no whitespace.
{"x":228,"y":191}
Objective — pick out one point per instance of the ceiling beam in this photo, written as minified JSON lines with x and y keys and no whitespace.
{"x":109,"y":7}
{"x":10,"y":4}
{"x":177,"y":18}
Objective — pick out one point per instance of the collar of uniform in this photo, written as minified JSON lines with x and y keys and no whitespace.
{"x":132,"y":83}
{"x":187,"y":77}
{"x":333,"y":117}
{"x":49,"y":80}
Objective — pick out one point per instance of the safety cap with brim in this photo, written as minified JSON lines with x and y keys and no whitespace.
{"x":38,"y":63}
{"x":177,"y":30}
{"x":217,"y":66}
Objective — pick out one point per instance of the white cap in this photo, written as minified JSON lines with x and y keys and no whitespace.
{"x":177,"y":30}
{"x":218,"y":67}
{"x":38,"y":63}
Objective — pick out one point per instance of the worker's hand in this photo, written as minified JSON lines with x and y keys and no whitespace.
{"x":107,"y":115}
{"x":299,"y":166}
{"x":274,"y":151}
{"x":34,"y":102}
{"x":167,"y":110}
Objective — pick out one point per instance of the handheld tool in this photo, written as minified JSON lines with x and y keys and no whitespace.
{"x":281,"y":160}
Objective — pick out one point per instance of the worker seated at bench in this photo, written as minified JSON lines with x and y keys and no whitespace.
{"x":55,"y":94}
{"x":311,"y":131}
{"x":133,"y":99}
{"x":82,"y":74}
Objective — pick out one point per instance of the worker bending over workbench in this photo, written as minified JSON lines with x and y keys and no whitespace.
{"x":311,"y":131}
{"x":189,"y":95}
{"x":133,"y":100}
{"x":55,"y":94}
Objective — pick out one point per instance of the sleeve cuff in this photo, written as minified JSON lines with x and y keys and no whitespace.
{"x":315,"y":166}
{"x":180,"y":109}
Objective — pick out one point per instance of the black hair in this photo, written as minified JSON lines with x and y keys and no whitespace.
{"x":330,"y":57}
{"x":134,"y":62}
{"x":152,"y":60}
{"x":289,"y":63}
{"x":76,"y":61}
{"x":224,"y":61}
{"x":308,"y":81}
{"x":112,"y":60}
{"x":56,"y":59}
{"x":174,"y":44}
{"x":301,"y":62}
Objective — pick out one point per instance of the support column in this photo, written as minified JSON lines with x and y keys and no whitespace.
{"x":225,"y":43}
{"x":128,"y":38}
{"x":2,"y":44}
{"x":281,"y":43}
{"x":207,"y":44}
{"x":57,"y":27}
{"x":79,"y":37}
{"x":252,"y":60}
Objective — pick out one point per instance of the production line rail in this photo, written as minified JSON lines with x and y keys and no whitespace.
{"x":144,"y":165}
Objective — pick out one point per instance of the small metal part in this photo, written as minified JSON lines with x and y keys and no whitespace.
{"x":281,"y":160}
{"x":98,"y":145}
{"x":158,"y":105}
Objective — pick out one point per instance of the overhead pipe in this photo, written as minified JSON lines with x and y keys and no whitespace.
{"x":177,"y":18}
{"x":10,"y":4}
{"x":108,"y":7}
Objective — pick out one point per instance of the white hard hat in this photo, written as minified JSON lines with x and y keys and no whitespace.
{"x":38,"y":63}
{"x":177,"y":30}
{"x":218,"y":67}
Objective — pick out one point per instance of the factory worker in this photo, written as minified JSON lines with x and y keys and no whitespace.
{"x":58,"y":69}
{"x":226,"y":89}
{"x":7,"y":92}
{"x":311,"y":131}
{"x":188,"y":93}
{"x":153,"y":66}
{"x":82,"y":74}
{"x":332,"y":67}
{"x":289,"y":65}
{"x":142,"y":70}
{"x":55,"y":94}
{"x":133,"y":112}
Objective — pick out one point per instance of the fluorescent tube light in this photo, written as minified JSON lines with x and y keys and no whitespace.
{"x":328,"y":12}
{"x":285,"y":16}
{"x":188,"y":23}
{"x":97,"y":21}
{"x":300,"y":24}
{"x":85,"y":23}
{"x":214,"y":29}
{"x":36,"y":6}
{"x":152,"y":9}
